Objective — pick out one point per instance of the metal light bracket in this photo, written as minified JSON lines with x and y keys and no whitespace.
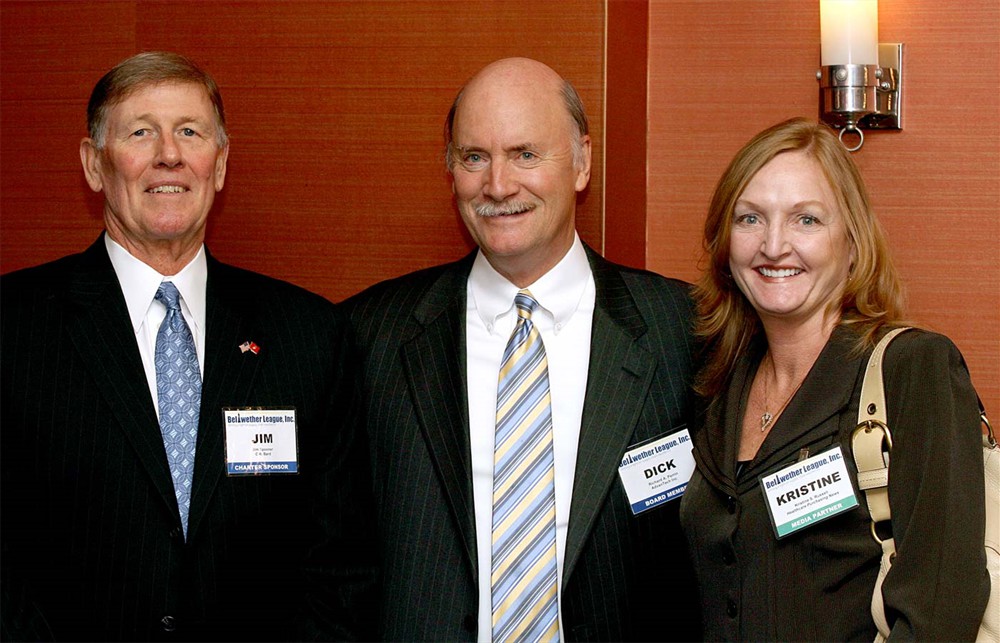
{"x":856,"y":97}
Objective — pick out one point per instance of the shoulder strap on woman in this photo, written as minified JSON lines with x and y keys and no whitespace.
{"x":872,"y":441}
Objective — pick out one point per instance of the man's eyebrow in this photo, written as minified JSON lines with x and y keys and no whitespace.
{"x":150,"y":117}
{"x":465,"y":149}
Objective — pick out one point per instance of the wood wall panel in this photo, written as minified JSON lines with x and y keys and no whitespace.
{"x":335,"y":109}
{"x":625,"y":127}
{"x":50,"y":57}
{"x":721,"y":71}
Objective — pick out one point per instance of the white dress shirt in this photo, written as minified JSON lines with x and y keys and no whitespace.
{"x":566,"y":296}
{"x":139,"y":283}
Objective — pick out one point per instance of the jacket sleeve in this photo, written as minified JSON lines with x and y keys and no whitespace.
{"x":938,"y":585}
{"x":341,"y":569}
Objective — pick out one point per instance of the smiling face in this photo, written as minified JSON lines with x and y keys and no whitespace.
{"x":514,"y":173}
{"x":790,"y":253}
{"x":160,"y":168}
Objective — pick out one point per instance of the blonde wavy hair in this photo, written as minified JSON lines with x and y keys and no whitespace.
{"x":873,"y":294}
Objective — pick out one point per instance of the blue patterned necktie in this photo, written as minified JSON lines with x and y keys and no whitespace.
{"x":178,"y":387}
{"x":524,"y":577}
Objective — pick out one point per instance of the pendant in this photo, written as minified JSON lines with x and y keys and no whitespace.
{"x":765,"y":420}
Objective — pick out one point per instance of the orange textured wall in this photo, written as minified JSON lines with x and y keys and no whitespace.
{"x":720,"y":71}
{"x":335,"y":109}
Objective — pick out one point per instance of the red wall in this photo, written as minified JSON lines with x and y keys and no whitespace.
{"x":336,"y":175}
{"x":720,"y":71}
{"x":335,"y":109}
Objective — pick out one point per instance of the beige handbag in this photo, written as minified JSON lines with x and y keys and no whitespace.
{"x":871,"y":444}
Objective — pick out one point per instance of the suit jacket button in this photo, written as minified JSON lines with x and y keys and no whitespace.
{"x":731,"y":610}
{"x":731,"y":505}
{"x":728,"y":557}
{"x":470,"y":623}
{"x":168,"y":623}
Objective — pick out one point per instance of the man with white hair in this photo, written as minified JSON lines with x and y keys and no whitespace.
{"x":502,"y":392}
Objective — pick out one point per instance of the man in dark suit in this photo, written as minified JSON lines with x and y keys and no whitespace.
{"x":612,"y":373}
{"x":141,"y":499}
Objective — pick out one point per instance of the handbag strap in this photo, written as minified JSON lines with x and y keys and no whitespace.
{"x":990,"y":438}
{"x":872,"y":441}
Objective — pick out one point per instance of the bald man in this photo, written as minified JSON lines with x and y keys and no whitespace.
{"x":502,"y":392}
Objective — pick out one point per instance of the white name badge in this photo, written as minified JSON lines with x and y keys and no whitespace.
{"x":657,"y":471}
{"x":260,"y":441}
{"x":808,"y":492}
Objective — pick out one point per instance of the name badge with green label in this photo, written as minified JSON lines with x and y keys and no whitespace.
{"x":808,"y":492}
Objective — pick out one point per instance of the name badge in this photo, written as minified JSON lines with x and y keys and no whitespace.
{"x":260,"y":441}
{"x":808,"y":492}
{"x":657,"y":471}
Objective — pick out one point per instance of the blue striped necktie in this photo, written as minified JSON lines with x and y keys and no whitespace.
{"x":524,"y":577}
{"x":178,"y":389}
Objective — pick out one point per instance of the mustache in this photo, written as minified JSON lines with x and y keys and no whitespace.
{"x":504,"y":208}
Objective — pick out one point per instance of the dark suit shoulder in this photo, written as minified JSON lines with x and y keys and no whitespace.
{"x":430,"y":289}
{"x":651,"y":291}
{"x":641,"y":274}
{"x":259,"y":285}
{"x":42,"y":280}
{"x":409,"y":286}
{"x":661,"y":299}
{"x":645,"y":283}
{"x":649,"y":279}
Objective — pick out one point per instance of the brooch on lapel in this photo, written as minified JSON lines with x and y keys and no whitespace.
{"x":249,"y":346}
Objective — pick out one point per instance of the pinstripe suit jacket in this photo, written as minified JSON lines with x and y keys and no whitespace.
{"x":625,"y":577}
{"x":92,"y":543}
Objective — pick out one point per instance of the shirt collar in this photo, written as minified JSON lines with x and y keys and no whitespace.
{"x":139,"y":283}
{"x":558,"y":292}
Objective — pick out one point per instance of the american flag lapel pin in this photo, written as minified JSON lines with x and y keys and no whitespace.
{"x":249,"y":346}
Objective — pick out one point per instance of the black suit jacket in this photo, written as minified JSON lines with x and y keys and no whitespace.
{"x":625,"y":577}
{"x":92,"y":541}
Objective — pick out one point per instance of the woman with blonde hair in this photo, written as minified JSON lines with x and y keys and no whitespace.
{"x":799,"y":287}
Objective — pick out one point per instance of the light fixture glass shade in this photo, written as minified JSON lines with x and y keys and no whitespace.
{"x":849,"y":32}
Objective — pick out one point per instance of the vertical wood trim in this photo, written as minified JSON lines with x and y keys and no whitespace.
{"x":625,"y":121}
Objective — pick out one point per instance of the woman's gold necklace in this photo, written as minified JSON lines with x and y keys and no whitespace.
{"x":767,"y":417}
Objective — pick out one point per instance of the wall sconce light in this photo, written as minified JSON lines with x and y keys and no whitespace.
{"x":859,"y":79}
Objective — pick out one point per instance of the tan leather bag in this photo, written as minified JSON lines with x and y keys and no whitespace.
{"x":871,"y":444}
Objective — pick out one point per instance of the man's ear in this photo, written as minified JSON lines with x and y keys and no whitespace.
{"x":583,"y":170}
{"x":90,"y":158}
{"x":220,"y":167}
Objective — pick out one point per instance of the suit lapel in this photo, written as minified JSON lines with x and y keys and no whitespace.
{"x":617,"y":382}
{"x":716,"y":447}
{"x":435,"y":367}
{"x":100,"y":331}
{"x":229,"y":376}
